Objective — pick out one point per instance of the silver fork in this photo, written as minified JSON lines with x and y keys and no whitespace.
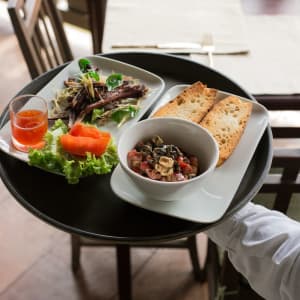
{"x":209,"y":47}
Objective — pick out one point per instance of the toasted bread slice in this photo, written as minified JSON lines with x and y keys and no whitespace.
{"x":191,"y":104}
{"x":226,"y":121}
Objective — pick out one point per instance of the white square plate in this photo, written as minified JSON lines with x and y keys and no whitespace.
{"x":208,"y":201}
{"x":106,"y":66}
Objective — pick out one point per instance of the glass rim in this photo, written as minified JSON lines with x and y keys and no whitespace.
{"x":17,"y":98}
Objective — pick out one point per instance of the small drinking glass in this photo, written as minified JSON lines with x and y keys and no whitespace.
{"x":29,"y":122}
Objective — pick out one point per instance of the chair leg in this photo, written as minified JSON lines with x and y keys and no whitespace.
{"x":229,"y":277}
{"x":124,"y":271}
{"x":212,"y":269}
{"x":75,"y":252}
{"x":192,"y":246}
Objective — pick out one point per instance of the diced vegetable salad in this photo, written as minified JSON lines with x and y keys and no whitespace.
{"x":159,"y":161}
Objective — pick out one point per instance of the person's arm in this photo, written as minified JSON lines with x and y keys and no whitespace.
{"x":264,"y":246}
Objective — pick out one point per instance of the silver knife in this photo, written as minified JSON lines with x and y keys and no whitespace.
{"x":175,"y":45}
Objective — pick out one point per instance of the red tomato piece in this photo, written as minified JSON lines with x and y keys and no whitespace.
{"x":181,"y":162}
{"x":144,"y":166}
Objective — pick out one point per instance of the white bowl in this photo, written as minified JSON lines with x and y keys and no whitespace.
{"x":189,"y":137}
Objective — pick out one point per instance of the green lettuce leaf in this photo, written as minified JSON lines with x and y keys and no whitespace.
{"x":96,"y":114}
{"x":114,"y":80}
{"x":52,"y":157}
{"x":127,"y":112}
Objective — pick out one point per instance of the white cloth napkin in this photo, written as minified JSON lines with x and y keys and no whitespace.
{"x":273,"y":63}
{"x":144,"y":22}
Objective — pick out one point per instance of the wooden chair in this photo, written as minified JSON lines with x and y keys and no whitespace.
{"x":283,"y":181}
{"x":124,"y":258}
{"x":39,"y":29}
{"x":97,"y":12}
{"x":88,"y":14}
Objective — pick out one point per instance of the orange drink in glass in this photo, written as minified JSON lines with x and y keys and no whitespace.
{"x":29,"y":122}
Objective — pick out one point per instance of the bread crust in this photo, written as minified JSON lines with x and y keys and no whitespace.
{"x":227,"y":121}
{"x":191,"y":104}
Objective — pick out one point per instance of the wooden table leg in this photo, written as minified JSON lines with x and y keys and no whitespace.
{"x":124,"y":272}
{"x":97,"y":12}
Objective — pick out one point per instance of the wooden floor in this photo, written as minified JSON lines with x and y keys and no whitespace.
{"x":35,"y":257}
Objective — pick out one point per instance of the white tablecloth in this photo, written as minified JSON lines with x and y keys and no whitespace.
{"x":272,"y":65}
{"x":129,"y":22}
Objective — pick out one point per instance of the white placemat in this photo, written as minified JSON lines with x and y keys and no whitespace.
{"x":131,"y":22}
{"x":273,"y":63}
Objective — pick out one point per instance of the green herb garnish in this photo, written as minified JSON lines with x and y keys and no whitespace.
{"x":96,"y":114}
{"x":114,"y":80}
{"x":123,"y":114}
{"x":84,"y":65}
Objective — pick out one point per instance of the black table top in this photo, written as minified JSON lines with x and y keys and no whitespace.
{"x":90,"y":208}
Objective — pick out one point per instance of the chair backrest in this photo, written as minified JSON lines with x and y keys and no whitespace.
{"x":39,"y":29}
{"x":283,"y":180}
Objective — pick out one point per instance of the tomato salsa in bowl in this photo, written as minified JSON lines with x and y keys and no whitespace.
{"x":186,"y":153}
{"x":157,"y":160}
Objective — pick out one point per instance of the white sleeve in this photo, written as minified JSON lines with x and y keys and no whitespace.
{"x":264,"y":246}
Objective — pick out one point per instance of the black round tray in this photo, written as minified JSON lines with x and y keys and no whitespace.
{"x":90,"y":208}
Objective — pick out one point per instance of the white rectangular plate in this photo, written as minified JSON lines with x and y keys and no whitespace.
{"x":106,"y":66}
{"x":208,"y":201}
